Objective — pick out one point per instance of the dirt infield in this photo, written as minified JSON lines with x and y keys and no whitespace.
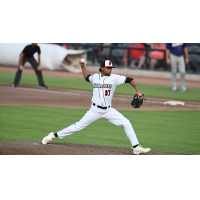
{"x":59,"y":148}
{"x":66,"y":98}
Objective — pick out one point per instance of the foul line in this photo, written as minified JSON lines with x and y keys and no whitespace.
{"x":76,"y":94}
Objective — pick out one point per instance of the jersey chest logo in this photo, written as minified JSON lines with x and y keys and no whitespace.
{"x":98,"y":85}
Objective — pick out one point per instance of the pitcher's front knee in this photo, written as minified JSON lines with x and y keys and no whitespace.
{"x":127,"y":123}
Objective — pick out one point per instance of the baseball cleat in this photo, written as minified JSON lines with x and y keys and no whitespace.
{"x":44,"y":86}
{"x":183,"y":89}
{"x":48,"y":138}
{"x":139,"y":149}
{"x":174,"y":89}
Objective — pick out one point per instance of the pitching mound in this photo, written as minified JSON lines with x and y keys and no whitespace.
{"x":58,"y":148}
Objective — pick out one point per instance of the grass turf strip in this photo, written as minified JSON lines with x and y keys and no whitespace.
{"x":165,"y":131}
{"x":158,"y":91}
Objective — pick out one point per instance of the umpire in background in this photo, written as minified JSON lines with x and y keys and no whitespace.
{"x":27,"y":56}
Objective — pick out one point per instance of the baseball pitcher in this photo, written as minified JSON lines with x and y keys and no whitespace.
{"x":104,"y":84}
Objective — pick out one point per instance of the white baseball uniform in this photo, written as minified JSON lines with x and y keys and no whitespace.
{"x":101,"y":108}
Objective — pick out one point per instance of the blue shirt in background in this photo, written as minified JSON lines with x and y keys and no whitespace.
{"x":176,"y":48}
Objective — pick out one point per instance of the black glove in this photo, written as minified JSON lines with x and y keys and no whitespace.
{"x":137,"y":100}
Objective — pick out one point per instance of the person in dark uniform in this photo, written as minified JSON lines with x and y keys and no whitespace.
{"x":27,"y":56}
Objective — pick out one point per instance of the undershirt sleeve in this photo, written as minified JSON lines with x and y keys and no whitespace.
{"x":87,"y":78}
{"x":128,"y":80}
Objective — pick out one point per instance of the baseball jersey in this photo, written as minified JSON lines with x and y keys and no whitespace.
{"x":29,"y":50}
{"x":176,"y":48}
{"x":104,"y":88}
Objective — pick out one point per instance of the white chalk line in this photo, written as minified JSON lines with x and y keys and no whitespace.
{"x":36,"y":144}
{"x":77,"y":94}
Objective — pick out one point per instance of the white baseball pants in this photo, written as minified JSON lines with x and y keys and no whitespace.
{"x":177,"y":62}
{"x":95,"y":114}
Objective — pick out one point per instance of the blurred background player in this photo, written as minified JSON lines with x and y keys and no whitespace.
{"x":27,"y":56}
{"x":175,"y":57}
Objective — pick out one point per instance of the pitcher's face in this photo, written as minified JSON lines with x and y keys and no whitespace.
{"x":106,"y":71}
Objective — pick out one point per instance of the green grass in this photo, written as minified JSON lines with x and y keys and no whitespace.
{"x":158,"y":91}
{"x":165,"y":131}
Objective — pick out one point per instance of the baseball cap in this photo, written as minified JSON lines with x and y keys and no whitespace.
{"x":107,"y":63}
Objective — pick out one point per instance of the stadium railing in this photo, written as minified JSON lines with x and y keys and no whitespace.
{"x":94,"y":56}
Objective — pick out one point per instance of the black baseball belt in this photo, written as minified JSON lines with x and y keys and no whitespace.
{"x":100,"y":106}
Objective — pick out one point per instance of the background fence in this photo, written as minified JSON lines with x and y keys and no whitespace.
{"x":96,"y":52}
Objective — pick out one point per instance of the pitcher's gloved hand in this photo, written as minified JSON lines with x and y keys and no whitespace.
{"x":137,"y":100}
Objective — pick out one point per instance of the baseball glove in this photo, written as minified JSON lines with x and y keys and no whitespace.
{"x":137,"y":100}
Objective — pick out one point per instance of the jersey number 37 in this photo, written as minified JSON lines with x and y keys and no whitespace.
{"x":107,"y":92}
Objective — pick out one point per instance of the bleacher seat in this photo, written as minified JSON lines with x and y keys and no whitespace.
{"x":198,"y":59}
{"x":105,"y":52}
{"x":192,"y":44}
{"x":105,"y":55}
{"x":193,"y":64}
{"x":193,"y":57}
{"x":117,"y":56}
{"x":193,"y":48}
{"x":198,"y":63}
{"x":126,"y":44}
